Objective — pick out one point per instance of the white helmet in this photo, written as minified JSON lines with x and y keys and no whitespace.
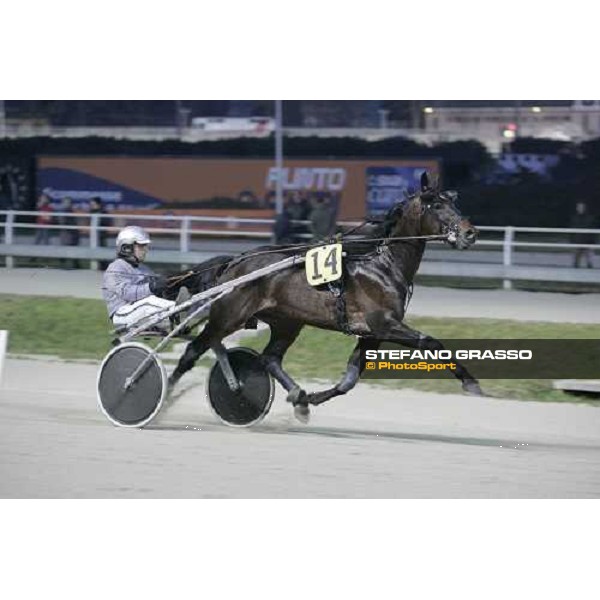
{"x":129,"y":236}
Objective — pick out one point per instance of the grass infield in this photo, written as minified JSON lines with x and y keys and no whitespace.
{"x":73,"y":328}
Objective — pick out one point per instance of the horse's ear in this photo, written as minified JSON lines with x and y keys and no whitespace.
{"x":429,"y":183}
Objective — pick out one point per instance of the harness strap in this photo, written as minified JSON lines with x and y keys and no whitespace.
{"x":366,"y":256}
{"x":341,"y":314}
{"x":409,"y":293}
{"x":337,"y":288}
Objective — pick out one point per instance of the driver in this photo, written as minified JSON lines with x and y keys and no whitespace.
{"x":131,"y":289}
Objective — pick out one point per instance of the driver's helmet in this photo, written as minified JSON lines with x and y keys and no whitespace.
{"x":128,"y":236}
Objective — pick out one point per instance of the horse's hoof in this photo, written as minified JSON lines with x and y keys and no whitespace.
{"x":302,"y":413}
{"x":297,"y":396}
{"x":472,"y":388}
{"x":317,"y":397}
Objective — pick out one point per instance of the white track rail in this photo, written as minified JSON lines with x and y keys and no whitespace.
{"x":3,"y":346}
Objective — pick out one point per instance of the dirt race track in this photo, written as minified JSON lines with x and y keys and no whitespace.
{"x":373,"y":443}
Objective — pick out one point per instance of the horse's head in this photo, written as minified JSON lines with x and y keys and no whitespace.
{"x":434,"y":212}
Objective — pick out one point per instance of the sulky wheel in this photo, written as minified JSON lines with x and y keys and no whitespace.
{"x":136,"y":404}
{"x":252,"y":402}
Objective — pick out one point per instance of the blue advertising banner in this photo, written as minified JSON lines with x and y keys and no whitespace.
{"x":81,"y":187}
{"x":388,"y":185}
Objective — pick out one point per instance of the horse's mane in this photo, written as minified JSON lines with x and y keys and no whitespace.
{"x":407,"y":207}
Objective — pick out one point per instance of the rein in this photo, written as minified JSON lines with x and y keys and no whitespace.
{"x":385,"y":241}
{"x":173,"y":281}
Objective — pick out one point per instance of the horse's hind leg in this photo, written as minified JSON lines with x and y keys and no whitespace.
{"x":194,"y":350}
{"x":210,"y":338}
{"x":225,"y":318}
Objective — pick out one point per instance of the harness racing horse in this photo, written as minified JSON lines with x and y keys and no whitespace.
{"x":376,"y":288}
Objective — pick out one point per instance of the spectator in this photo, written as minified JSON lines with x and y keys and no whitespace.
{"x":582,"y":219}
{"x":97,"y":208}
{"x":42,"y":234}
{"x":282,"y":231}
{"x":322,"y":222}
{"x":5,"y":204}
{"x":5,"y":197}
{"x":69,"y":236}
{"x":268,"y":201}
{"x":297,"y":210}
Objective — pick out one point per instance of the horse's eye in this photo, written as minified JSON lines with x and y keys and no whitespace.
{"x":437,"y":205}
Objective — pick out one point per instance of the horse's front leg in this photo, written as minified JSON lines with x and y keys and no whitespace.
{"x":283,"y":335}
{"x":400,"y":333}
{"x":351,"y":375}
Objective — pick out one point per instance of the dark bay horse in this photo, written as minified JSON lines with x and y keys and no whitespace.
{"x":375,"y":291}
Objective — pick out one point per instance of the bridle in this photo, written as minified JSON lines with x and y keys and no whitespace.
{"x":451,"y":228}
